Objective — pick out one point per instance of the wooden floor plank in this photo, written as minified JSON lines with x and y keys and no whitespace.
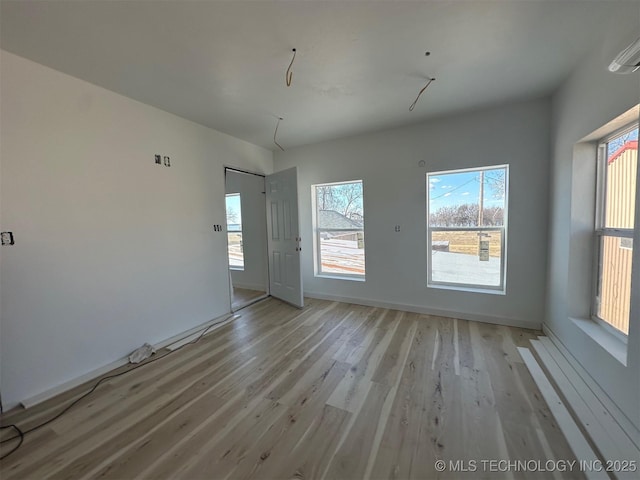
{"x":233,"y":421}
{"x":352,"y":391}
{"x":333,"y":390}
{"x":388,"y":369}
{"x":275,"y":446}
{"x":314,"y":453}
{"x":136,"y":453}
{"x":439,"y":420}
{"x":244,"y":296}
{"x":401,"y":436}
{"x":218,"y":446}
{"x":352,"y":456}
{"x":577,"y":441}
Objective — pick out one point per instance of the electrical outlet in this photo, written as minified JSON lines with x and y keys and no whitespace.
{"x":167,"y":162}
{"x":158,"y":159}
{"x":7,"y":238}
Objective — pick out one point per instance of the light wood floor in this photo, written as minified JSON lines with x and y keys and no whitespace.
{"x":244,"y":296}
{"x":333,"y":391}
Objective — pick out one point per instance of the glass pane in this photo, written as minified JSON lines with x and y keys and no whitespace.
{"x":236,"y":253}
{"x":622,"y":165}
{"x":466,"y":257}
{"x":467,"y":199}
{"x":340,"y":227}
{"x":342,"y":252}
{"x":615,"y":281}
{"x":234,"y":212}
{"x":234,"y":231}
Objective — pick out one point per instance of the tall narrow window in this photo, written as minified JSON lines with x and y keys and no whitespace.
{"x":466,"y":232}
{"x":234,"y":231}
{"x":617,"y":173}
{"x":339,"y":229}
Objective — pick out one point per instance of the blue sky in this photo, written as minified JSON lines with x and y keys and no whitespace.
{"x":618,"y":142}
{"x":464,"y":187}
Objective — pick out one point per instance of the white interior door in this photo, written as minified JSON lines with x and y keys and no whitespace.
{"x":285,"y":272}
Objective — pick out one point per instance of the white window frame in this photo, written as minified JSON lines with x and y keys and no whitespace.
{"x":318,"y":231}
{"x":600,"y":231}
{"x":234,"y":267}
{"x":470,"y":287}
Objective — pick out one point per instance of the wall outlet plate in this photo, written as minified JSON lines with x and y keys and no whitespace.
{"x":158,"y":159}
{"x":7,"y":238}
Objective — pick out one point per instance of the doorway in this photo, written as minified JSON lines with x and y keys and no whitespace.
{"x":246,"y":237}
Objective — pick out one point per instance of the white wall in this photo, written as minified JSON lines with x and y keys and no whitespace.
{"x":395,"y":193}
{"x":254,"y":230}
{"x":590,"y":98}
{"x":111,"y":250}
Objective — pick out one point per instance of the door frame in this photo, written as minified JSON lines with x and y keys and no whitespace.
{"x":226,"y":241}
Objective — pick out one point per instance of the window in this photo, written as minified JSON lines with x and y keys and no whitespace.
{"x":617,"y":171}
{"x":234,"y":231}
{"x":339,"y":229}
{"x":466,"y":234}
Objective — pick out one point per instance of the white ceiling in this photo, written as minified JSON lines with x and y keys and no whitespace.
{"x":358,"y":68}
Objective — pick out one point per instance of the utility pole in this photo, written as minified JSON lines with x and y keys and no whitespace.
{"x":481,"y":200}
{"x":483,"y":245}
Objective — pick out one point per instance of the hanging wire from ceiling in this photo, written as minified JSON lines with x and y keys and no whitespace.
{"x":276,"y":133}
{"x":413,"y":105}
{"x":289,"y":75}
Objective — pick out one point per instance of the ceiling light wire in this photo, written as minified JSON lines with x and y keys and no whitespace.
{"x":276,"y":133}
{"x":413,"y":105}
{"x":289,"y":75}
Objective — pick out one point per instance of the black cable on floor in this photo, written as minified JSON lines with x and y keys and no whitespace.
{"x":21,"y":434}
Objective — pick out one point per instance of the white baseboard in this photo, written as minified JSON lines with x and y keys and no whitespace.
{"x":98,"y":372}
{"x":197,"y":332}
{"x":576,"y":440}
{"x":578,"y":373}
{"x":602,"y":429}
{"x":510,"y":322}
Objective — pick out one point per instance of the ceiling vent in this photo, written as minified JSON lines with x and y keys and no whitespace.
{"x":628,"y":60}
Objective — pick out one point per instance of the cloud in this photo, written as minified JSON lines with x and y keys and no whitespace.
{"x":434,"y":180}
{"x":446,"y":186}
{"x":447,"y":194}
{"x":464,"y":193}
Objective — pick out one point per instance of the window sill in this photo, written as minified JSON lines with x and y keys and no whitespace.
{"x":468,"y":289}
{"x":608,"y":341}
{"x":339,"y":277}
{"x":236,"y":269}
